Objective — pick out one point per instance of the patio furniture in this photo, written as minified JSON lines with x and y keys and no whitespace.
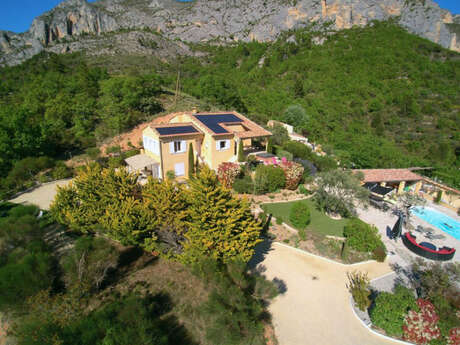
{"x":426,"y":249}
{"x":397,"y":228}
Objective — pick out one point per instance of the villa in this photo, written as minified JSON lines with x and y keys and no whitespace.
{"x":214,"y":137}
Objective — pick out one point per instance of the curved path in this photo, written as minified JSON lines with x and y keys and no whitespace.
{"x":41,"y":196}
{"x":315,"y":307}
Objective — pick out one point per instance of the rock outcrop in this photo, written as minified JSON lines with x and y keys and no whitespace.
{"x":75,"y":21}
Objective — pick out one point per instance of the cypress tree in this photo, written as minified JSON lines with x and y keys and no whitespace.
{"x":191,"y":161}
{"x":270,"y":145}
{"x":240,"y":152}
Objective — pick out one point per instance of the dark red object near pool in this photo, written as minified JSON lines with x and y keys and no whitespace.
{"x":426,"y":249}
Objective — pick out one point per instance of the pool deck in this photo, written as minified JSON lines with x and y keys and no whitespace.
{"x":397,"y":252}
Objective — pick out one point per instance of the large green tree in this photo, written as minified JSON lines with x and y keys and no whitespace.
{"x":220,"y":226}
{"x":339,"y":191}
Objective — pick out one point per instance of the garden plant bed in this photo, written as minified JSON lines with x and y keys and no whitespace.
{"x":280,"y":196}
{"x":316,"y":243}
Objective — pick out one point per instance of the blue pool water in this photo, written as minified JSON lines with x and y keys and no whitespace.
{"x":438,"y":219}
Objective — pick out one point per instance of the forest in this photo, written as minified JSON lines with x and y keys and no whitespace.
{"x":405,"y":112}
{"x":376,"y":97}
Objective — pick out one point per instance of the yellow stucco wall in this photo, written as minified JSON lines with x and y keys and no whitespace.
{"x":206,"y":148}
{"x":216,"y":157}
{"x":167,"y":159}
{"x":170,"y":159}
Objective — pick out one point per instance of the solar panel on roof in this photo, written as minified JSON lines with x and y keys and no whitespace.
{"x":213,"y":121}
{"x":176,"y":130}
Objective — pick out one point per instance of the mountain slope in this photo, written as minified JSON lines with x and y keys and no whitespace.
{"x":376,"y":96}
{"x":218,"y":20}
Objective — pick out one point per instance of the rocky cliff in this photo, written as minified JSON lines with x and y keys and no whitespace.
{"x":74,"y":23}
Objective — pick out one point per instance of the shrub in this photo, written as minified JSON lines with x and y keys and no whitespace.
{"x":227,"y":173}
{"x":93,"y":152}
{"x":390,"y":310}
{"x":299,"y":215}
{"x":303,"y":190}
{"x":61,"y":171}
{"x":454,"y":336}
{"x":244,"y":185}
{"x":302,"y":234}
{"x":358,"y":285}
{"x":26,"y":263}
{"x":89,"y":263}
{"x":113,"y":149}
{"x":421,"y":327}
{"x":170,"y":174}
{"x":268,"y":179}
{"x":293,"y":173}
{"x":115,"y":162}
{"x":362,"y":236}
{"x":379,"y":254}
{"x":234,"y":310}
{"x":279,"y":220}
{"x":131,"y":319}
{"x":26,"y":276}
{"x":282,"y":153}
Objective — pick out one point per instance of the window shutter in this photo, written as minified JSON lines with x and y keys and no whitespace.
{"x":179,"y":169}
{"x":171,"y":147}
{"x":183,"y":146}
{"x":218,"y":145}
{"x":227,"y":144}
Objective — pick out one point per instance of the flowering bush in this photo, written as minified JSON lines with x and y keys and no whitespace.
{"x":421,"y":327}
{"x":227,"y":173}
{"x":293,"y":172}
{"x":454,"y":336}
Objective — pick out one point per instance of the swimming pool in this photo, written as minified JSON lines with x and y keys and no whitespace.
{"x":438,"y":219}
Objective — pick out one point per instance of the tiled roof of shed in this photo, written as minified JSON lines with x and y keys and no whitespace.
{"x":388,"y":175}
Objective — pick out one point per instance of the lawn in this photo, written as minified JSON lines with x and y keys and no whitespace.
{"x":320,"y":223}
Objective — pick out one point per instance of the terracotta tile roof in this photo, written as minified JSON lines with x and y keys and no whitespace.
{"x":196,"y":131}
{"x":166,"y":118}
{"x":388,"y":175}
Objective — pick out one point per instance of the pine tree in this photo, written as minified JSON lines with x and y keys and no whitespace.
{"x":106,"y":201}
{"x":166,"y":204}
{"x":191,"y":162}
{"x":220,"y":226}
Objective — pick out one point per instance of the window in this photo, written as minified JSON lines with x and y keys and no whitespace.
{"x":151,"y":145}
{"x":179,"y":169}
{"x":178,"y":146}
{"x":222,"y":145}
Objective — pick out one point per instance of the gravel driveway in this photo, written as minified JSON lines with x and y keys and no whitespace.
{"x":315,"y":307}
{"x":41,"y":196}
